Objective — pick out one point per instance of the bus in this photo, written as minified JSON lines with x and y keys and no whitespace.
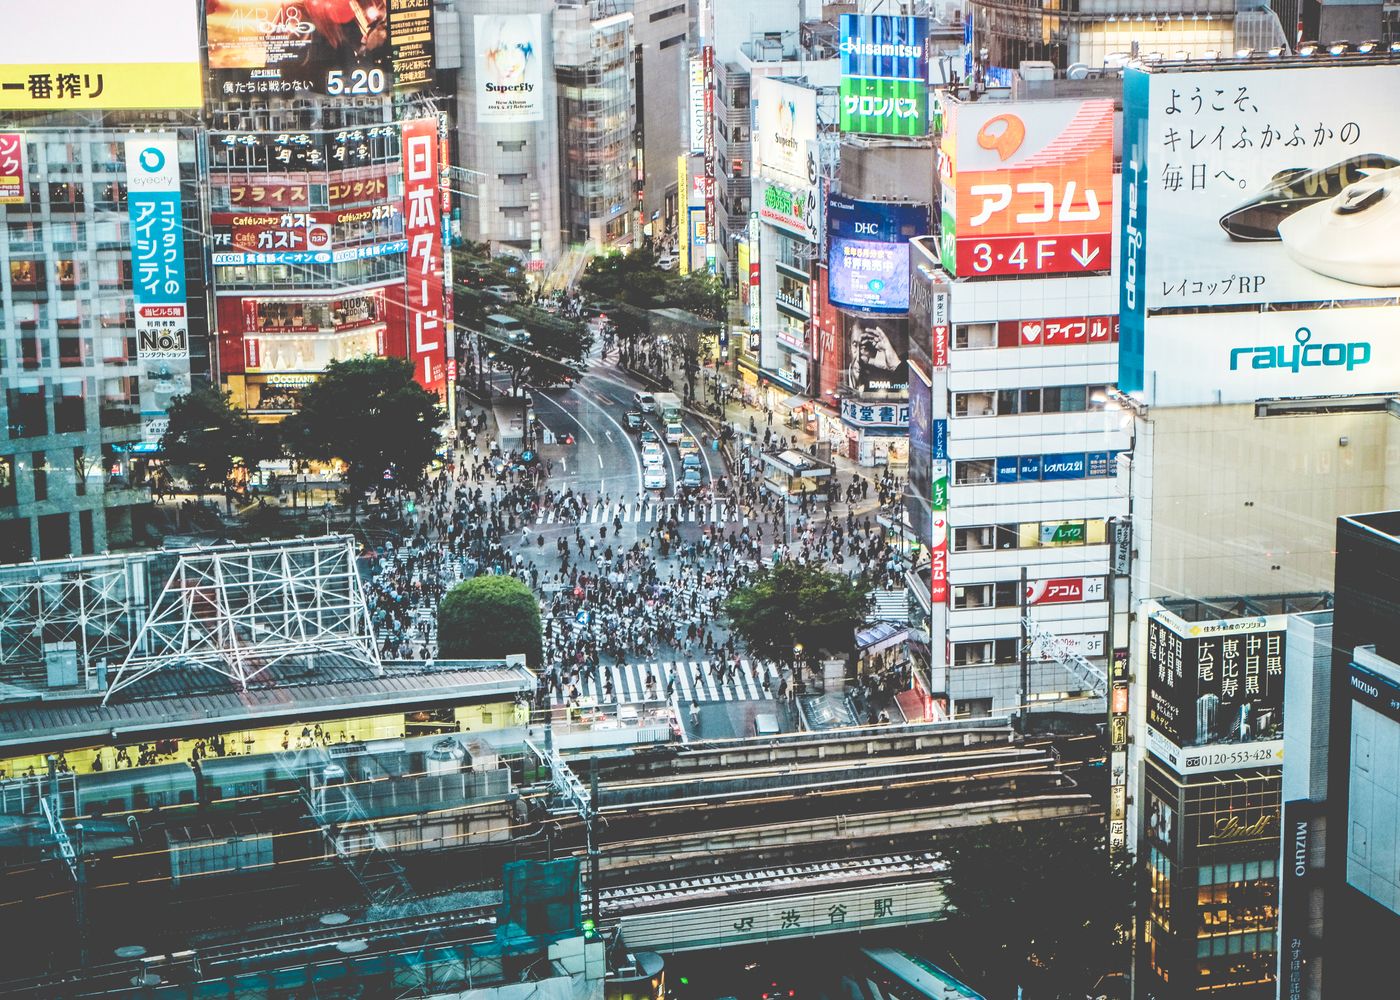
{"x":891,"y":974}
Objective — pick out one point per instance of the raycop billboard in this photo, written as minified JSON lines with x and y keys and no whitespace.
{"x":338,"y":47}
{"x":868,"y":258}
{"x":1215,"y":691}
{"x":1027,"y":190}
{"x":884,"y":74}
{"x":1253,"y":188}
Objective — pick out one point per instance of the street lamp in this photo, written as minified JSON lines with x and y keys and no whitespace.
{"x":797,"y":657}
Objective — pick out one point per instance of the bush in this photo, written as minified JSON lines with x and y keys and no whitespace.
{"x":489,"y":618}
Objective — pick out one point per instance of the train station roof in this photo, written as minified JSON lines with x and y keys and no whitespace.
{"x":174,"y":702}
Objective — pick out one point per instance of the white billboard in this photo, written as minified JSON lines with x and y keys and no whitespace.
{"x":1260,"y":184}
{"x":1240,"y":357}
{"x":785,"y":131}
{"x":696,"y":96}
{"x":509,"y":71}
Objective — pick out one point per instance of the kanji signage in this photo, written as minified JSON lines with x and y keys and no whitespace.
{"x":13,"y":189}
{"x":423,"y":232}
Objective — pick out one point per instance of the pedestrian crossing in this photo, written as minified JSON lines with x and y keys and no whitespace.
{"x":694,"y":681}
{"x":647,"y":512}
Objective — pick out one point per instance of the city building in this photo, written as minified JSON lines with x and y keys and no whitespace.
{"x":662,"y":32}
{"x":507,"y":141}
{"x":1015,"y":436}
{"x":101,"y":270}
{"x":595,"y":72}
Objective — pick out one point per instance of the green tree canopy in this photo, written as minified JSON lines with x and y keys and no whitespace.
{"x":489,"y":617}
{"x":208,"y":438}
{"x":634,"y":279}
{"x":555,"y":349}
{"x":370,"y":414}
{"x":1037,"y":905}
{"x":789,"y":604}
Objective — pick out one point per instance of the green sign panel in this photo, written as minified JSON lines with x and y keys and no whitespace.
{"x":940,"y":494}
{"x":884,"y":107}
{"x":1062,"y":534}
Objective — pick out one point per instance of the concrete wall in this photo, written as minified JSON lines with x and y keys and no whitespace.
{"x":1231,"y":503}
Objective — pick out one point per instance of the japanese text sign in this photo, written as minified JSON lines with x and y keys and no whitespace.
{"x":423,"y":231}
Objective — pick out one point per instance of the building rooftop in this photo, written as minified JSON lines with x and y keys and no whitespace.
{"x":175,"y":699}
{"x":1382,"y":522}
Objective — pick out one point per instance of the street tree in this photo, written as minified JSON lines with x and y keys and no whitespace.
{"x":208,"y":437}
{"x":1037,"y":906}
{"x":553,"y":350}
{"x":371,"y":415}
{"x":794,"y":613}
{"x":488,"y":618}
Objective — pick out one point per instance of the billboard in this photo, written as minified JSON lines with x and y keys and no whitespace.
{"x":13,"y":160}
{"x":1254,"y":187}
{"x":792,"y":210}
{"x":1027,"y":193}
{"x":509,"y":68}
{"x":695,"y":93}
{"x":785,"y":126}
{"x":350,"y":48}
{"x":423,"y":231}
{"x":929,"y":326}
{"x":878,"y":351}
{"x":157,"y":247}
{"x":96,"y":55}
{"x":1215,"y":691}
{"x":884,"y":74}
{"x":920,"y":452}
{"x":1235,"y":357}
{"x":1065,"y":590}
{"x":297,"y":236}
{"x":869,"y":252}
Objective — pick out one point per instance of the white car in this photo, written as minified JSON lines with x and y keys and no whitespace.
{"x":652,"y":453}
{"x":654,"y":478}
{"x":666,"y":261}
{"x":644,"y":401}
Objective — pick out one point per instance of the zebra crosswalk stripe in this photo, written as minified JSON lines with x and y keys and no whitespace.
{"x":693,"y":679}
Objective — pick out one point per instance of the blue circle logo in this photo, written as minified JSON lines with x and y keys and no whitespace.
{"x":152,"y":160}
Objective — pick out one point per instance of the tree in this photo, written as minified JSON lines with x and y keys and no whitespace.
{"x":1037,"y":906}
{"x":789,"y":605}
{"x":371,"y":415}
{"x":489,"y":618}
{"x":553,"y":350}
{"x":208,"y":438}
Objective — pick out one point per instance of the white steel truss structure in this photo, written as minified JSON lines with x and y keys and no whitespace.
{"x":239,"y":609}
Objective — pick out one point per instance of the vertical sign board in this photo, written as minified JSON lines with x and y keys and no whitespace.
{"x":157,"y":248}
{"x":696,"y":95}
{"x":424,"y":234}
{"x":1118,"y":749}
{"x":708,"y":60}
{"x":1297,"y":946}
{"x":13,"y":190}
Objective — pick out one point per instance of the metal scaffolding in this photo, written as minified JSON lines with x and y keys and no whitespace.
{"x":239,"y":609}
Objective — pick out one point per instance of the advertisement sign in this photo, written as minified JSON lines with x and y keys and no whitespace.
{"x":1027,"y":193}
{"x":921,"y":449}
{"x":1059,"y":466}
{"x":859,"y":414}
{"x":157,"y":247}
{"x":869,"y":255}
{"x":1061,"y":332}
{"x":96,"y":55}
{"x":938,"y":559}
{"x":13,"y":189}
{"x":426,"y":342}
{"x":1250,"y":186}
{"x":878,"y":349}
{"x":1065,"y":590}
{"x":1240,"y":357}
{"x":827,"y":342}
{"x":294,"y":233}
{"x":785,"y":125}
{"x":884,"y":75}
{"x":1215,"y":683}
{"x":929,"y":327}
{"x":794,"y":211}
{"x":1058,"y":647}
{"x":336,"y":47}
{"x":696,"y":96}
{"x":509,"y":67}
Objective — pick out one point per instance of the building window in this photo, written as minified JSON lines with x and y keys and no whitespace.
{"x":8,"y":496}
{"x":984,"y":652}
{"x":80,"y":472}
{"x":41,"y":476}
{"x":973,"y":336}
{"x":976,"y":472}
{"x":974,"y":404}
{"x":69,"y":408}
{"x":985,"y":537}
{"x":28,"y":416}
{"x":26,"y":274}
{"x":973,"y":708}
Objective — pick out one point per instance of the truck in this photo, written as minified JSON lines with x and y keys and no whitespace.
{"x":668,"y":404}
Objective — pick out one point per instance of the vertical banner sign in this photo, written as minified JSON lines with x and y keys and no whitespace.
{"x":708,"y":56}
{"x":696,"y":96}
{"x":411,"y":43}
{"x":1297,"y":946}
{"x":1118,"y":750}
{"x":157,"y":248}
{"x":884,"y":74}
{"x":13,"y":190}
{"x":424,"y":235}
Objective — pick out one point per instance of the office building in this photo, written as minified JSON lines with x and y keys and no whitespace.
{"x":662,"y":35}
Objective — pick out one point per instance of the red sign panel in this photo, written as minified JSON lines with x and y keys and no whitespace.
{"x":423,"y":230}
{"x":940,"y":345}
{"x":353,"y":190}
{"x":1061,"y":332}
{"x":13,"y":190}
{"x":938,"y":561}
{"x":1065,"y":590}
{"x":1028,"y":195}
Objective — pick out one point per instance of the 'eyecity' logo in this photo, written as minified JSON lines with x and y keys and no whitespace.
{"x":1304,"y":354}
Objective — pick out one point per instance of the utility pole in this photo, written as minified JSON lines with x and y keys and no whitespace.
{"x":591,"y":820}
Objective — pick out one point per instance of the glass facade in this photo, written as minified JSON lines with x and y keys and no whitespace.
{"x":79,"y":410}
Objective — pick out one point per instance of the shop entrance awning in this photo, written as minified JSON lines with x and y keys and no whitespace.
{"x":796,"y":402}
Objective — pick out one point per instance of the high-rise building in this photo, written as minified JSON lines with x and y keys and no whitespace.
{"x":101,"y":266}
{"x":662,"y":34}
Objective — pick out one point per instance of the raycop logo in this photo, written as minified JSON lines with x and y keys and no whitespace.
{"x":855,"y":47}
{"x":1133,"y":232}
{"x":1304,"y":354}
{"x":152,"y":160}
